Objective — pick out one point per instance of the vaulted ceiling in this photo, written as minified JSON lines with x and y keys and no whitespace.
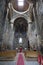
{"x":21,"y":25}
{"x":4,"y":3}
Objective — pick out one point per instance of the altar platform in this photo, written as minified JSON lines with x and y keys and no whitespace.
{"x":11,"y":54}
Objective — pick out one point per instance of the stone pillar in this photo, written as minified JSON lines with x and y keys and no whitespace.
{"x":11,"y":33}
{"x":2,"y":19}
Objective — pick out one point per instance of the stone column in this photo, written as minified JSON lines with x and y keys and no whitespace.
{"x":37,"y":24}
{"x":2,"y":19}
{"x":11,"y":33}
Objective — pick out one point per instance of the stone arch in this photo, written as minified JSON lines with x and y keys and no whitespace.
{"x":20,"y":24}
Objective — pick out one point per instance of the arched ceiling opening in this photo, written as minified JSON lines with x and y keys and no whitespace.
{"x":20,"y":5}
{"x":20,"y":25}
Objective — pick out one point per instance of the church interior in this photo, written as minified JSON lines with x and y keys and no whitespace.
{"x":21,"y":32}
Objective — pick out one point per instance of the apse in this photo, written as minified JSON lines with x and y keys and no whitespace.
{"x":20,"y":33}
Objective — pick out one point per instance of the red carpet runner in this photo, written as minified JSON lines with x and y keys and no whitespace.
{"x":20,"y":59}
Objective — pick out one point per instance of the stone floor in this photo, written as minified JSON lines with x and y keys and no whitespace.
{"x":13,"y":63}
